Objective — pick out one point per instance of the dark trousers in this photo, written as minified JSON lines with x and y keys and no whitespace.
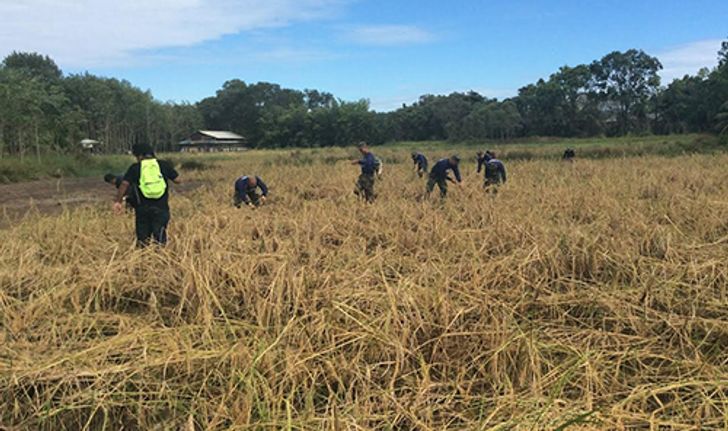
{"x":441,"y":184}
{"x":151,"y":224}
{"x":490,"y":185}
{"x":365,"y":187}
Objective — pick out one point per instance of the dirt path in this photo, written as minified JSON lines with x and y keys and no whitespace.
{"x":50,"y":196}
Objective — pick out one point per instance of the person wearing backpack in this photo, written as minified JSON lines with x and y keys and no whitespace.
{"x":370,"y":167}
{"x":148,"y":179}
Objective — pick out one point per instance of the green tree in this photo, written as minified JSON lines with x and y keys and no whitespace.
{"x":721,"y":120}
{"x":627,"y":81}
{"x":34,"y":65}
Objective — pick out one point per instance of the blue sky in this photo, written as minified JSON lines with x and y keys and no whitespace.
{"x":389,"y":52}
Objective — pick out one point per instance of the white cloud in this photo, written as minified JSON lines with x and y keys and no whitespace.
{"x":688,"y":59}
{"x":386,"y":35}
{"x":88,"y":33}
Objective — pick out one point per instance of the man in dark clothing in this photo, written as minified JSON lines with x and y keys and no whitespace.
{"x":116,"y":180}
{"x":482,"y":159}
{"x":246,"y":191}
{"x":495,"y":173}
{"x":420,"y":162}
{"x":439,"y":175}
{"x":149,"y":180}
{"x":569,"y":155}
{"x":369,"y":167}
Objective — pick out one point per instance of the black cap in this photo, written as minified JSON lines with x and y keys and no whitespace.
{"x":109,"y":177}
{"x":140,"y":150}
{"x":455,"y":157}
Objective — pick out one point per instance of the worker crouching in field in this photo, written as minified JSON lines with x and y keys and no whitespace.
{"x":149,"y":179}
{"x":495,"y":172}
{"x":246,"y":191}
{"x":420,"y":162}
{"x":370,"y":167}
{"x":115,"y":180}
{"x":439,"y":175}
{"x":569,"y":155}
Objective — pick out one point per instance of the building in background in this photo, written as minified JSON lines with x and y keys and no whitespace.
{"x":204,"y":141}
{"x":90,"y":146}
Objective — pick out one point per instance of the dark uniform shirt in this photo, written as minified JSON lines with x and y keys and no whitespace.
{"x":439,"y":170}
{"x":368,"y":164}
{"x":482,"y":161}
{"x":420,"y":160}
{"x":242,"y":188}
{"x":133,"y":175}
{"x":495,"y":171}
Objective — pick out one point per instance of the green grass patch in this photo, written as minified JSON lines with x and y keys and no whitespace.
{"x":589,"y":148}
{"x":13,"y":169}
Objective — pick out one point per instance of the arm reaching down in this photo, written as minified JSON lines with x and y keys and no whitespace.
{"x":456,"y":171}
{"x":263,"y":189}
{"x":120,"y":193}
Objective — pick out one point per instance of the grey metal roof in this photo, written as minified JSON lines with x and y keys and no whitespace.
{"x":220,"y":134}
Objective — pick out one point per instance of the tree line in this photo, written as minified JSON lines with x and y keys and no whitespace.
{"x":43,"y":111}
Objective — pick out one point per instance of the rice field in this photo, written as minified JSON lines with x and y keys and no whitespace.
{"x":585,"y":296}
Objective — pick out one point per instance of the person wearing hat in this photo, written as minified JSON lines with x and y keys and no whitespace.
{"x":369,"y":168}
{"x":439,"y":175}
{"x":148,"y":179}
{"x":495,"y":173}
{"x":246,"y":191}
{"x":420,"y":162}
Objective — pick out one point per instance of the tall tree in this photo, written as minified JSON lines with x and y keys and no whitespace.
{"x":34,"y":65}
{"x":627,"y":81}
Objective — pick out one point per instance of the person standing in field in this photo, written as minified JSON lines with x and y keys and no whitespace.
{"x":369,"y":169}
{"x":439,"y":175}
{"x":420,"y":162}
{"x":495,"y":172}
{"x":246,"y":191}
{"x":149,"y":179}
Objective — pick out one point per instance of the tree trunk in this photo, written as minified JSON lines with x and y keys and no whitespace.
{"x":21,"y":149}
{"x":2,"y":139}
{"x":107,"y":133}
{"x":37,"y":140}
